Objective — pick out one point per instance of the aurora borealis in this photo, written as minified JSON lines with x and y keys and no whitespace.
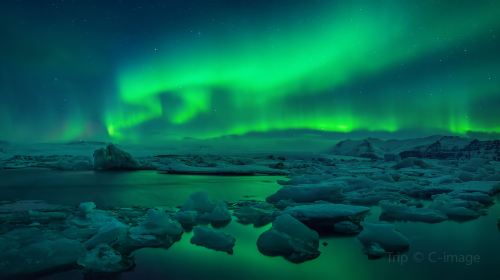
{"x":156,"y":70}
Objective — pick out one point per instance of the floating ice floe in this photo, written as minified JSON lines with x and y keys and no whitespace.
{"x":110,"y":233}
{"x":456,"y":208}
{"x":198,"y":208}
{"x":213,"y":239}
{"x":104,"y":259}
{"x":255,"y":213}
{"x":324,"y":216}
{"x":29,"y":252}
{"x":291,"y":239}
{"x":157,"y":229}
{"x":308,"y":193}
{"x":396,"y":211}
{"x":380,"y":238}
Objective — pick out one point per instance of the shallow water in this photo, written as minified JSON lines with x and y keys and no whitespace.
{"x":447,"y":250}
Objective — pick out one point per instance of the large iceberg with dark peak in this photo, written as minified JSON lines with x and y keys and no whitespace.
{"x":367,"y":148}
{"x":113,"y":158}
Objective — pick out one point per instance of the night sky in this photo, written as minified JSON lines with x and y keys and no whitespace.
{"x":147,"y":71}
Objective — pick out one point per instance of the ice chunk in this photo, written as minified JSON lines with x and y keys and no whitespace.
{"x":213,"y":239}
{"x":381,"y":235}
{"x":79,"y":233}
{"x":374,"y":251}
{"x":186,"y":218}
{"x":88,"y":216}
{"x":346,"y":227}
{"x":157,"y":222}
{"x":113,"y":158}
{"x":291,"y":239}
{"x":219,"y":216}
{"x":156,"y":230}
{"x":110,"y":233}
{"x":322,"y":216}
{"x":325,"y":211}
{"x":199,"y":202}
{"x":411,"y":162}
{"x":105,"y":259}
{"x":395,"y":211}
{"x":38,"y":257}
{"x":474,"y":164}
{"x":256,"y":213}
{"x":456,"y":208}
{"x":86,"y":207}
{"x":480,"y":197}
{"x":381,"y":176}
{"x":309,"y":193}
{"x":445,"y":179}
{"x":466,"y":176}
{"x":207,"y":211}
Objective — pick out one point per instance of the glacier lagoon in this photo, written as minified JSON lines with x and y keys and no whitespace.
{"x":436,"y":249}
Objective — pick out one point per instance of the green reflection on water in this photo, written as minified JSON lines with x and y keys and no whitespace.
{"x":120,"y":189}
{"x":342,"y":258}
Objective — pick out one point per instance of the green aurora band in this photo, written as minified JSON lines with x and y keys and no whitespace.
{"x":303,"y":74}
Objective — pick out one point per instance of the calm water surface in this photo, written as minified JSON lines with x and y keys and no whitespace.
{"x":142,"y":188}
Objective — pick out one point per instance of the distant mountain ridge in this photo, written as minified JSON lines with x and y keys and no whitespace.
{"x":435,"y":147}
